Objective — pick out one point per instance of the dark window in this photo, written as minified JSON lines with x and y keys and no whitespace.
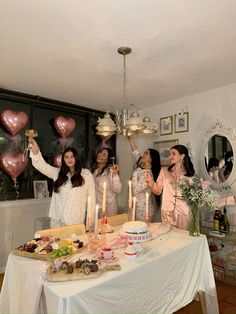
{"x":41,"y":113}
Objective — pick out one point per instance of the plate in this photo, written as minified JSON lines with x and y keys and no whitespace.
{"x":114,"y":259}
{"x":158,"y":229}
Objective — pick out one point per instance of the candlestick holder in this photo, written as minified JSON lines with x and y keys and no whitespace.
{"x":89,"y":232}
{"x":96,"y":241}
{"x":104,"y":227}
{"x":148,"y":221}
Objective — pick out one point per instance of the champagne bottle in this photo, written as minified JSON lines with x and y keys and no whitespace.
{"x":226,"y":221}
{"x":221,"y":222}
{"x":216,"y":220}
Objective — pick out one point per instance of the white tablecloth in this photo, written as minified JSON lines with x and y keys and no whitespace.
{"x":162,"y":280}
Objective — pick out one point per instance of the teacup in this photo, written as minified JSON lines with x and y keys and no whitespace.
{"x":106,"y":253}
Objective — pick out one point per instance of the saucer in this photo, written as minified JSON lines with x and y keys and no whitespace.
{"x":114,"y":259}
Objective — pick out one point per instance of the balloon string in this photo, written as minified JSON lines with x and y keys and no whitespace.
{"x":16,"y":187}
{"x":17,"y":195}
{"x":25,"y":154}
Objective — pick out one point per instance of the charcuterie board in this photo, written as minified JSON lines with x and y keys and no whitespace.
{"x":45,"y":257}
{"x":78,"y":273}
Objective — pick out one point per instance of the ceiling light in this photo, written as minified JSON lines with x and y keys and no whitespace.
{"x":127,"y":121}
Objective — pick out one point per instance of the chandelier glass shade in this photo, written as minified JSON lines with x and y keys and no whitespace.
{"x":126,"y":121}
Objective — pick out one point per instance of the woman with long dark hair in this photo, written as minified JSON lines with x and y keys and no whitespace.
{"x":148,"y":162}
{"x":174,"y":210}
{"x":72,"y":187}
{"x":104,"y":171}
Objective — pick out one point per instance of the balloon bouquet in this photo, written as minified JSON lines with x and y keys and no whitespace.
{"x":12,"y":160}
{"x":64,"y":126}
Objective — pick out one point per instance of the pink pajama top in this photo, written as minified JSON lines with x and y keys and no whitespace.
{"x":173,"y":210}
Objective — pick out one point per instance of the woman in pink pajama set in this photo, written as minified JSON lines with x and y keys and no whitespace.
{"x":174,"y":210}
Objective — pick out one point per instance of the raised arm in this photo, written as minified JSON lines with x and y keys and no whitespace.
{"x":156,"y":187}
{"x":39,"y":163}
{"x":114,"y":180}
{"x":135,"y":151}
{"x":132,"y":143}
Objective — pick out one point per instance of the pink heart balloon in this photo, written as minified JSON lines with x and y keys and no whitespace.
{"x":14,"y":121}
{"x":13,"y":164}
{"x":64,"y":125}
{"x":57,"y":160}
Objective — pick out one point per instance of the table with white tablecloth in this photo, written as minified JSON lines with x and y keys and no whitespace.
{"x":167,"y":276}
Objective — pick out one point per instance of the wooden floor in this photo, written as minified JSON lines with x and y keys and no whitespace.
{"x":1,"y":279}
{"x":226,"y":298}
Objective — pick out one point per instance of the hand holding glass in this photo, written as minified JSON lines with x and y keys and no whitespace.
{"x":30,"y":134}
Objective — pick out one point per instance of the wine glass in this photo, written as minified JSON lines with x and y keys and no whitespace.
{"x":30,"y":134}
{"x":112,"y":164}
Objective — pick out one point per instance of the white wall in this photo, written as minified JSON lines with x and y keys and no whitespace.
{"x":18,"y":217}
{"x":204,"y":108}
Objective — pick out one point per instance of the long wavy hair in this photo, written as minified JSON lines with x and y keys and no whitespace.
{"x":95,"y":163}
{"x":156,"y":162}
{"x":156,"y":168}
{"x":213,"y":162}
{"x":76,"y":179}
{"x":187,"y":163}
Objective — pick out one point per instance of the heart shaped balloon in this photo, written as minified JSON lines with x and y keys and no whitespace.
{"x":64,"y":125}
{"x":57,"y":160}
{"x":14,"y":121}
{"x":13,"y":164}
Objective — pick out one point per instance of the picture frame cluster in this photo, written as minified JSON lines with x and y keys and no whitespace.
{"x":180,"y":123}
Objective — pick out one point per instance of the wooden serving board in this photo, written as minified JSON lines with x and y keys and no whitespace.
{"x":78,"y":274}
{"x":43,"y":257}
{"x":46,"y":257}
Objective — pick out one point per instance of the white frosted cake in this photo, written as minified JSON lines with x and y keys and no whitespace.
{"x":135,"y":227}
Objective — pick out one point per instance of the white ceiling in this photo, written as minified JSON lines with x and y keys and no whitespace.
{"x":66,"y":49}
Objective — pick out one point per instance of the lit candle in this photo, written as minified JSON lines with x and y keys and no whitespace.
{"x":104,"y":197}
{"x":134,"y":204}
{"x":147,"y":200}
{"x":130,"y":195}
{"x":96,"y":221}
{"x":89,"y":212}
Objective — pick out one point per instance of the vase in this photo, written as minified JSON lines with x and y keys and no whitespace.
{"x":194,"y":225}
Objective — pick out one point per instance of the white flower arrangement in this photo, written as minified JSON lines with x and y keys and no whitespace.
{"x":197,"y":193}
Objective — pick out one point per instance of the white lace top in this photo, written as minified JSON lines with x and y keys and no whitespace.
{"x":70,"y":204}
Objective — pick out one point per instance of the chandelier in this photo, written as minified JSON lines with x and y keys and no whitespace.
{"x":127,"y":120}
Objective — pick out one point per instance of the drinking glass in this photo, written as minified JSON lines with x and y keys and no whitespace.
{"x":30,"y":134}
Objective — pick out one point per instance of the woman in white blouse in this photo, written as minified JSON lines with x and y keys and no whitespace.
{"x":71,"y":188}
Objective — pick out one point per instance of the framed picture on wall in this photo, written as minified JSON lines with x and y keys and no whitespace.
{"x":181,"y":123}
{"x":166,"y":125}
{"x":163,"y":148}
{"x":40,"y":189}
